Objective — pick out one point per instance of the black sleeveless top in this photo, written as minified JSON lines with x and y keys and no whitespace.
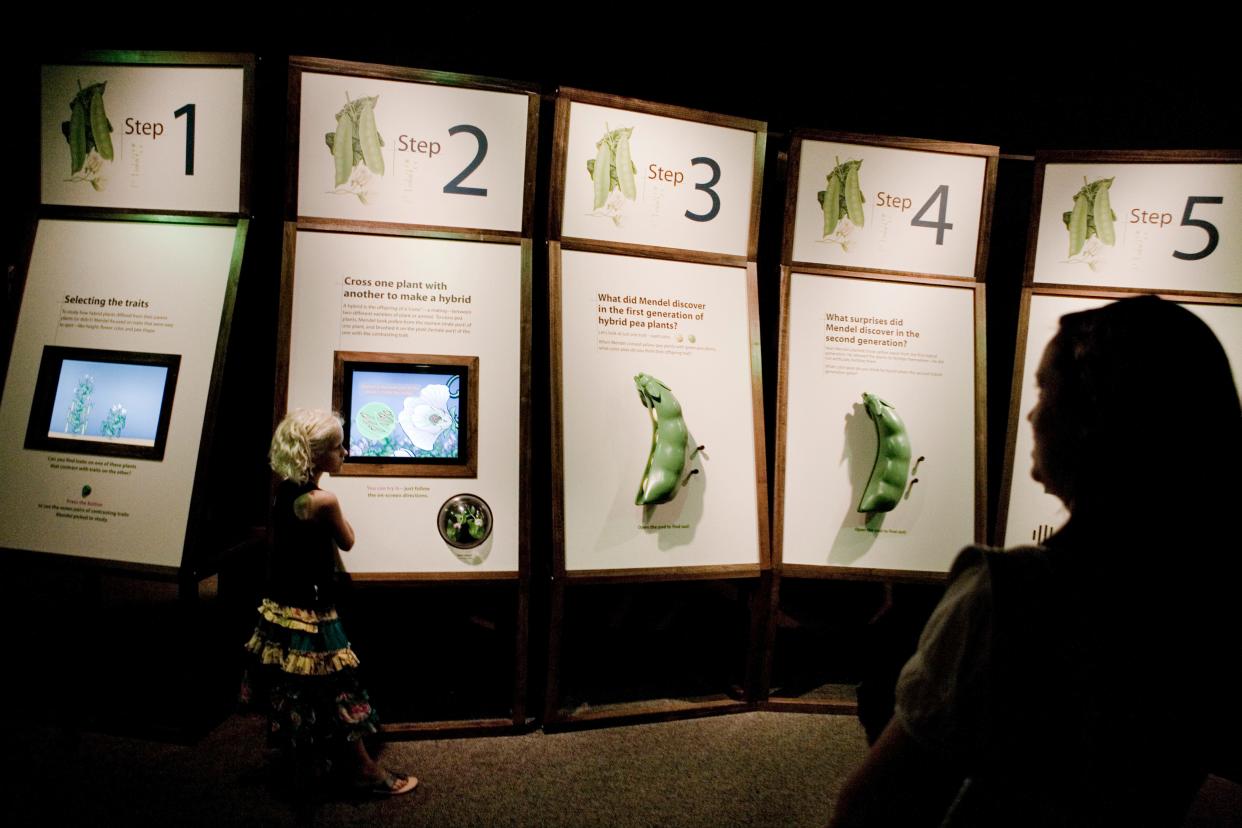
{"x":303,"y":553}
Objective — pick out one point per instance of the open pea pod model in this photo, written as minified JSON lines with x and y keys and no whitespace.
{"x":892,"y":457}
{"x":667,"y":459}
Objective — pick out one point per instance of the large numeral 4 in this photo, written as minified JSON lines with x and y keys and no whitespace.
{"x":941,"y":194}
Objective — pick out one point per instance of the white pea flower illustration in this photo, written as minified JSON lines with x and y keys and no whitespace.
{"x":423,"y":417}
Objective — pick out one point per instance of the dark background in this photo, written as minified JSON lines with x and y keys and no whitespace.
{"x":1018,"y":85}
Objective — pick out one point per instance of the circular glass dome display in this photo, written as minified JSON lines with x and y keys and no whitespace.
{"x":465,"y":521}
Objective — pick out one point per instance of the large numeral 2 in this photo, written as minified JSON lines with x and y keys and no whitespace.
{"x":454,"y":187}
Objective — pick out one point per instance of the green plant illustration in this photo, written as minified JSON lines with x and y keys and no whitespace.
{"x":1091,"y":218}
{"x":114,"y":423}
{"x":89,"y":133}
{"x":612,"y":172}
{"x":80,"y":406}
{"x":842,"y":202}
{"x":356,"y":147}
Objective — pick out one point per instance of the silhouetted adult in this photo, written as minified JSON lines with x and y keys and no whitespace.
{"x":1091,"y":681}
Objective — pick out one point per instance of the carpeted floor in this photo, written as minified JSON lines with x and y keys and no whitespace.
{"x":748,"y":769}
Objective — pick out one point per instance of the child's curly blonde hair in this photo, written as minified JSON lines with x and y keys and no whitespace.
{"x":301,"y":438}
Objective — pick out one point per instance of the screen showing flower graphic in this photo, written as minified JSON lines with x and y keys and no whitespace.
{"x":407,"y":414}
{"x":93,"y":401}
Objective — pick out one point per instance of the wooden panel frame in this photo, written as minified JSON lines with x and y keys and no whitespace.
{"x":1015,"y":397}
{"x":1045,"y":157}
{"x":759,"y":573}
{"x":37,"y":436}
{"x":980,"y":412}
{"x":521,"y":579}
{"x":641,"y":574}
{"x":468,"y":468}
{"x":245,"y":61}
{"x":284,"y":330}
{"x":195,"y":563}
{"x":556,"y":190}
{"x":300,"y":64}
{"x":989,"y":153}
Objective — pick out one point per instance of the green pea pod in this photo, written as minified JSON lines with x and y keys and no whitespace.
{"x":1078,"y":224}
{"x":101,"y":130}
{"x":77,"y":136}
{"x":601,"y":176}
{"x":892,"y":458}
{"x":853,"y":195}
{"x":343,"y":147}
{"x":368,"y":137}
{"x":625,"y":166}
{"x":667,"y":459}
{"x":832,"y":204}
{"x":1102,"y":212}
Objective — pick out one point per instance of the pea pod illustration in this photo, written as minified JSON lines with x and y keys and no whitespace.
{"x":343,"y":148}
{"x":369,"y":137}
{"x":87,"y":130}
{"x":612,"y":168}
{"x":667,"y":459}
{"x":355,"y":141}
{"x":599,"y":174}
{"x":1092,"y":215}
{"x":625,"y":166}
{"x":1102,"y":212}
{"x":101,"y":130}
{"x":77,"y":136}
{"x":853,"y":195}
{"x":832,"y":205}
{"x":892,"y":457}
{"x":842,"y":197}
{"x":1078,"y":224}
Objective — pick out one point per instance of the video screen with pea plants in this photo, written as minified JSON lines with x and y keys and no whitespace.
{"x":407,"y":415}
{"x":94,"y":401}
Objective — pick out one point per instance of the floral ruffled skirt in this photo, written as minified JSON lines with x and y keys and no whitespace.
{"x":303,"y":674}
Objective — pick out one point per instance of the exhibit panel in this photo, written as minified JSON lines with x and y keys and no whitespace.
{"x":1032,"y":514}
{"x":108,"y":383}
{"x":145,"y":137}
{"x":1172,"y":226}
{"x":887,"y":204}
{"x":658,"y":415}
{"x":374,"y":149}
{"x":418,"y":343}
{"x":879,"y":433}
{"x":628,"y":175}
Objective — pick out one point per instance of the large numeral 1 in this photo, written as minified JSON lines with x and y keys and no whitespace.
{"x":1206,"y":226}
{"x":188,"y":112}
{"x":940,"y":225}
{"x":454,"y":187}
{"x":707,"y":188}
